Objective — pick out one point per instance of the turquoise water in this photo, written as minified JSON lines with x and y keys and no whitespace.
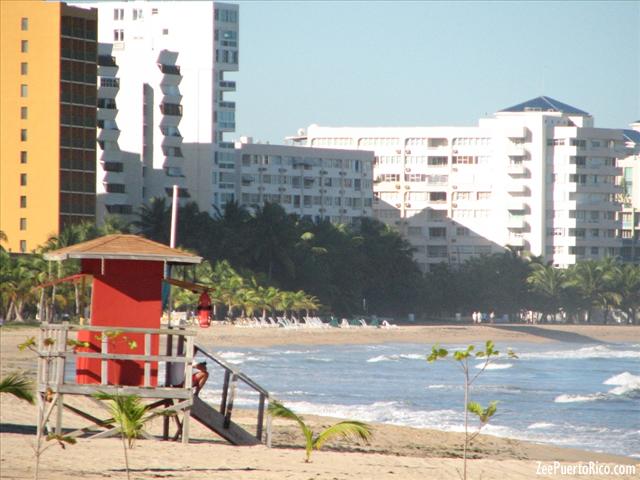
{"x":574,"y":395}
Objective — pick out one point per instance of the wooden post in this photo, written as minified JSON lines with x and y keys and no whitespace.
{"x":147,"y":364}
{"x":269,"y":420}
{"x":167,"y":378}
{"x":104,"y":365}
{"x":61,"y":348}
{"x":188,"y":384}
{"x":225,"y":390}
{"x":260,"y":416}
{"x":232,"y":396}
{"x":40,"y":386}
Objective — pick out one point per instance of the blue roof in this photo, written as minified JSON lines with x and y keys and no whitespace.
{"x":545,"y":104}
{"x":632,"y":136}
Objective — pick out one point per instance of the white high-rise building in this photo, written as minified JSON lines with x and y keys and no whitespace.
{"x":537,"y":176}
{"x":171,"y":100}
{"x":315,"y":183}
{"x":630,"y":183}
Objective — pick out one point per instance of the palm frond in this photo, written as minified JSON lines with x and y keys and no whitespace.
{"x":347,"y":429}
{"x":17,"y":385}
{"x":278,"y":410}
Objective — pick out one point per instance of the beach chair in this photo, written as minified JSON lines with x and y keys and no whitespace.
{"x":375,"y":323}
{"x":334,"y":322}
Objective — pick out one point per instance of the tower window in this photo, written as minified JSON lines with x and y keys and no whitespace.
{"x":23,"y":113}
{"x":23,"y":201}
{"x":24,"y":24}
{"x":24,"y":46}
{"x":23,"y":246}
{"x":24,"y":68}
{"x":23,"y":134}
{"x":23,"y":179}
{"x":23,"y":157}
{"x":24,"y":90}
{"x":23,"y":224}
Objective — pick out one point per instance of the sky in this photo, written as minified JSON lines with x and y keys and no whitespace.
{"x":377,"y":63}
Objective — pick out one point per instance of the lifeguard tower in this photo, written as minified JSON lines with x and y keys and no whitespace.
{"x":119,"y":350}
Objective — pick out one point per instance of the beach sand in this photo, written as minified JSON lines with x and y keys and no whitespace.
{"x":394,"y":453}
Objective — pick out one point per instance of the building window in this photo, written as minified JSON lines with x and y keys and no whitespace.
{"x":24,"y":68}
{"x":118,"y":13}
{"x":23,"y":246}
{"x":23,"y":179}
{"x":118,"y":35}
{"x":23,"y":113}
{"x":23,"y":201}
{"x":24,"y":46}
{"x":165,"y":31}
{"x":23,"y":135}
{"x":23,"y":157}
{"x":24,"y":24}
{"x":23,"y":224}
{"x":24,"y":90}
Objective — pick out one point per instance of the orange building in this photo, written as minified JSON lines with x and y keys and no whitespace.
{"x":48,"y":63}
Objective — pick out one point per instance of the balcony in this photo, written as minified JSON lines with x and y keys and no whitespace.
{"x":517,"y":169}
{"x":227,"y":86}
{"x":231,"y":105}
{"x":515,"y":204}
{"x":516,"y":222}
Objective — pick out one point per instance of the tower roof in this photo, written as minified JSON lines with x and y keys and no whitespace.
{"x":123,"y":247}
{"x":545,"y":104}
{"x":632,"y":136}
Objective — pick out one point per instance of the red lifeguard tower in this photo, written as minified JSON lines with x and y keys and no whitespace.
{"x":127,"y":272}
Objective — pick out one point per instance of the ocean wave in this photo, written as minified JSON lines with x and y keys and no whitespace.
{"x":540,"y":426}
{"x":495,"y":366}
{"x":396,"y":357}
{"x":625,"y":383}
{"x":597,"y":351}
{"x":568,"y":398}
{"x":391,"y":412}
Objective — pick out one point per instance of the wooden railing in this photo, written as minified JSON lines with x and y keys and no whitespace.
{"x":229,"y":388}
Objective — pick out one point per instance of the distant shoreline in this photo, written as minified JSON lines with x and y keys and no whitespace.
{"x":229,"y":336}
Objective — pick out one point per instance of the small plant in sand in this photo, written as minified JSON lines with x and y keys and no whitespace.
{"x":462,"y":357}
{"x":128,"y":413}
{"x":21,"y":388}
{"x":347,"y":429}
{"x":130,"y":416}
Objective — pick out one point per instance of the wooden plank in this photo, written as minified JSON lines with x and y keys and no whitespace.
{"x":225,"y":391}
{"x":127,"y":356}
{"x":104,"y":365}
{"x":147,"y":364}
{"x":151,"y":392}
{"x":232,"y":396}
{"x":89,"y":328}
{"x":260,"y":417}
{"x":101,"y":423}
{"x":269,"y":425}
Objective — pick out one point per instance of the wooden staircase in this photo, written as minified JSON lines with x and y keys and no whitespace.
{"x":215,"y":421}
{"x":219,"y":420}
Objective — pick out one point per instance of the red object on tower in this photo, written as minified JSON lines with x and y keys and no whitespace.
{"x":204,"y":310}
{"x":127,"y":275}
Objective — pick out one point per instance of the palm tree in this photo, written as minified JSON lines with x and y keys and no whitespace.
{"x":154,"y":220}
{"x":347,"y":429}
{"x":17,"y":385}
{"x":548,"y":282}
{"x":627,"y":282}
{"x":589,"y":279}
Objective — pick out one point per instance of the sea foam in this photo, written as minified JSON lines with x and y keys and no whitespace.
{"x":597,"y":351}
{"x":495,"y":366}
{"x":625,"y":383}
{"x":396,"y":357}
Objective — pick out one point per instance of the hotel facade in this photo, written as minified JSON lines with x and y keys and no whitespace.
{"x":536,"y":177}
{"x":48,"y":118}
{"x":165,"y":105}
{"x":314,"y":183}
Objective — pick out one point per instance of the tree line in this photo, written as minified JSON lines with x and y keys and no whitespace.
{"x":263,"y":260}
